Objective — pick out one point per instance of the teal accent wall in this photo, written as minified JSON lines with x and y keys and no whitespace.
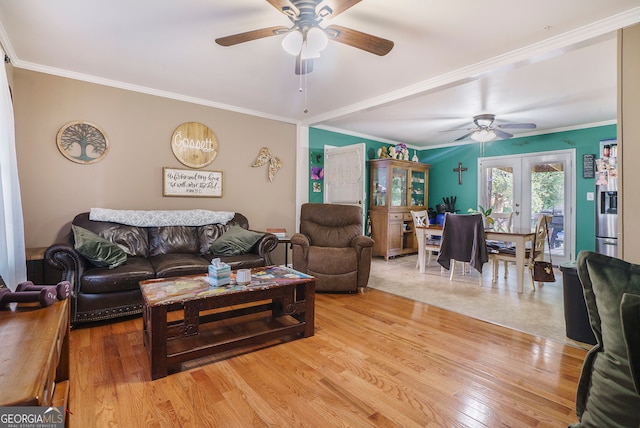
{"x":443,"y":181}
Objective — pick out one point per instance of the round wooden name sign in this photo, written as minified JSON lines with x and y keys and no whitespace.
{"x":194,"y":144}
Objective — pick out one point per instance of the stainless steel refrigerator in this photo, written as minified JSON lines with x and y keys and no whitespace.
{"x":607,"y":218}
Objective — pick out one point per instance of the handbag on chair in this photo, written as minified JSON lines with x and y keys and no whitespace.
{"x":542,"y":270}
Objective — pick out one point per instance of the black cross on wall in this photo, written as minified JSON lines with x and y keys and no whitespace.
{"x":459,"y":170}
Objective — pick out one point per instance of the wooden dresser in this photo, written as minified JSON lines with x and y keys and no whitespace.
{"x":34,"y":351}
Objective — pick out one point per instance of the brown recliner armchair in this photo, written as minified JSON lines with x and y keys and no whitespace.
{"x":331,"y":247}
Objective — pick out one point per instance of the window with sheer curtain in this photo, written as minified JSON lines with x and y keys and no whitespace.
{"x":12,"y":251}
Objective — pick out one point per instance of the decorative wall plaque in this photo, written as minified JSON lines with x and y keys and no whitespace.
{"x":588,"y":166}
{"x":264,"y":157}
{"x":82,"y":142}
{"x":194,"y":144}
{"x":186,"y":182}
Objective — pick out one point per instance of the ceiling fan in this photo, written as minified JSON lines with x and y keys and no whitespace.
{"x":485,"y":129}
{"x":306,"y":38}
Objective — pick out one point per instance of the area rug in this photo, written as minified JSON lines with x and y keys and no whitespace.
{"x":539,"y":312}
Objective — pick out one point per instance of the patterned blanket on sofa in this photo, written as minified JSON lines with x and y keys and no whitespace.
{"x":154,"y":218}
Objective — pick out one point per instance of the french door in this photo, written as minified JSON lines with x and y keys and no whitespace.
{"x":530,"y":185}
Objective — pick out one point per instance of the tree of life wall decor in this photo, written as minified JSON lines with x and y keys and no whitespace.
{"x":82,"y":142}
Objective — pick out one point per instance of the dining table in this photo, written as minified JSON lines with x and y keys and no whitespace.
{"x":519,"y":237}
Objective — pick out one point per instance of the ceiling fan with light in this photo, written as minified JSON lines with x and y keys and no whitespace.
{"x":486,"y":130}
{"x":306,"y":38}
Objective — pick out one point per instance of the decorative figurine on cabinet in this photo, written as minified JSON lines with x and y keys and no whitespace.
{"x":383,"y":153}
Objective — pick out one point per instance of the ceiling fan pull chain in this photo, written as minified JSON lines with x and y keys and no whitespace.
{"x":306,"y":90}
{"x":301,"y":74}
{"x":302,"y":84}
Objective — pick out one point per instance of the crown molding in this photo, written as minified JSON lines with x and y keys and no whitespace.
{"x":554,"y":46}
{"x":146,"y":90}
{"x":583,"y":36}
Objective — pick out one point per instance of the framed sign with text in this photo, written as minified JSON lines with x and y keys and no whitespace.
{"x":194,"y":183}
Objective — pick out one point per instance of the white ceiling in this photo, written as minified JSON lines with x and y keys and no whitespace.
{"x":546,"y":61}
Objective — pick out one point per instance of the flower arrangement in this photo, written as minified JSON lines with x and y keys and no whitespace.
{"x":401,"y":151}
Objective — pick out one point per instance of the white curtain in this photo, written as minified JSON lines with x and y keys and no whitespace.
{"x":13,"y":268}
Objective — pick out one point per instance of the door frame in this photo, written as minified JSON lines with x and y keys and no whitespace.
{"x":523,"y":160}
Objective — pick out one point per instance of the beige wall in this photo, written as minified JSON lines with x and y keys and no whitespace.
{"x":139,"y":128}
{"x":629,"y":140}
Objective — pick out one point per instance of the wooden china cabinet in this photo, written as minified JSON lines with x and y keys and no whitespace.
{"x":396,"y":188}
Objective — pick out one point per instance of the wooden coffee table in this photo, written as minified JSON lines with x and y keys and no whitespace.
{"x":278,"y":303}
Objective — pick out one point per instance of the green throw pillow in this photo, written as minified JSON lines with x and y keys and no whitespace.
{"x":607,"y":395}
{"x":99,"y":251}
{"x":236,"y":240}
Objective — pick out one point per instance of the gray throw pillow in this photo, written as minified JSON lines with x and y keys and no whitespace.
{"x":237,"y":240}
{"x":99,"y":251}
{"x":607,"y":395}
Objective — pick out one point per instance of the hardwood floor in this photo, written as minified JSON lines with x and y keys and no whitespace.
{"x":376,"y":360}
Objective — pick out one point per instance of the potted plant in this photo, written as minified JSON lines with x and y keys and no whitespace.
{"x":488,"y":221}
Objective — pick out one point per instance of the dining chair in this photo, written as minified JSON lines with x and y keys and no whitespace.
{"x":502,"y":222}
{"x":463,"y":240}
{"x":536,"y":252}
{"x":431,"y":244}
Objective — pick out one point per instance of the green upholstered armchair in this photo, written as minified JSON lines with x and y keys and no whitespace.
{"x":609,"y":387}
{"x":331,"y":247}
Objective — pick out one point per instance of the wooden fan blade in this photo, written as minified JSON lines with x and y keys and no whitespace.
{"x":501,"y":134}
{"x":464,"y":136}
{"x":357,"y":39}
{"x":303,"y":66}
{"x":337,"y":6}
{"x":281,"y":4}
{"x":517,"y":126}
{"x":250,"y":35}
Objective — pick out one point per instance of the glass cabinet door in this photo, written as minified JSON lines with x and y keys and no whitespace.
{"x":417,"y":188}
{"x":379,"y":186}
{"x":399,"y":178}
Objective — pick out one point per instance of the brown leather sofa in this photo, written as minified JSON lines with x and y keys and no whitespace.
{"x":331,"y":247}
{"x":101,"y":293}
